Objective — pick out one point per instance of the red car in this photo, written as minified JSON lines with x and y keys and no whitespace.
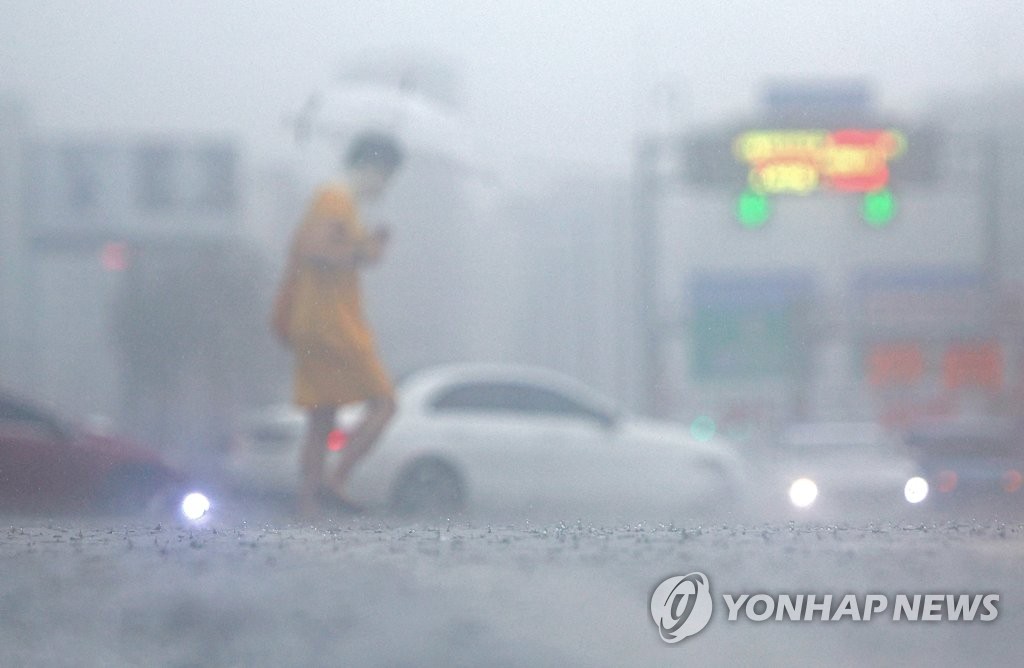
{"x":47,"y":465}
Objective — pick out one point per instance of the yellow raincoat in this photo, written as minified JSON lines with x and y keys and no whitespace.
{"x":318,"y":310}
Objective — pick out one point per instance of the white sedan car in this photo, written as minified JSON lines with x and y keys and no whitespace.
{"x":841,"y":468}
{"x":490,"y":437}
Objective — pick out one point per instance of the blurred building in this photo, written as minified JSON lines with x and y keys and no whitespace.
{"x":273,"y":200}
{"x":526,"y":270}
{"x":431,"y":299}
{"x":825,"y":260}
{"x":568,"y":230}
{"x":125,"y":285}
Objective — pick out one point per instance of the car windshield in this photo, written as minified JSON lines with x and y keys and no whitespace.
{"x":535,"y":332}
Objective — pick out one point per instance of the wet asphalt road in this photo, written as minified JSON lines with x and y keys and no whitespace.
{"x":254,"y":589}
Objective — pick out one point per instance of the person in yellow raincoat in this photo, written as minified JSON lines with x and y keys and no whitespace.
{"x":318,"y":313}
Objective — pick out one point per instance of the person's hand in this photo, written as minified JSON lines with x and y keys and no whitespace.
{"x":371,"y":250}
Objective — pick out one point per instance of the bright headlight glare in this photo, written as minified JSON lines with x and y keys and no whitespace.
{"x":194,"y":506}
{"x":803,"y":492}
{"x":916,"y":489}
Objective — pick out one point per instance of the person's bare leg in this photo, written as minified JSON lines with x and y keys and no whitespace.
{"x":379,"y":412}
{"x":319,"y":426}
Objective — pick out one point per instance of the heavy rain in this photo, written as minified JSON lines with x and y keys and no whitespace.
{"x":540,"y":333}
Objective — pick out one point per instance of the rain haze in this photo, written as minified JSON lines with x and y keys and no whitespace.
{"x":475,"y":318}
{"x":550,"y":80}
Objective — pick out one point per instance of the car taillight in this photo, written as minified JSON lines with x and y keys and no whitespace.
{"x":1012,"y":480}
{"x":946,"y":481}
{"x":336,"y":440}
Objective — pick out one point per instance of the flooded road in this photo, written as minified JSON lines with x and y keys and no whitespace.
{"x":97,"y":592}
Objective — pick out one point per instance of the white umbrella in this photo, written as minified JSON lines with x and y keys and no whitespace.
{"x":420,"y":124}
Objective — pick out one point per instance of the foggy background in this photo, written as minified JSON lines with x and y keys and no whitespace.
{"x":520,"y":234}
{"x":548,"y":80}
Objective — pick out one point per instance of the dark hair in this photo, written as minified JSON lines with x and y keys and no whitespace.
{"x":374,"y":149}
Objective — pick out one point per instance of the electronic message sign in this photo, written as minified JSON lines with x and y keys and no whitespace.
{"x":766,"y":163}
{"x":800,"y":162}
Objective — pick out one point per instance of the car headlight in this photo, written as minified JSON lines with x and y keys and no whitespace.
{"x":803,"y":492}
{"x":916,"y":489}
{"x":194,"y":506}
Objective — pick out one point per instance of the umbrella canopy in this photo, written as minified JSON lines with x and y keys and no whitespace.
{"x":420,"y":124}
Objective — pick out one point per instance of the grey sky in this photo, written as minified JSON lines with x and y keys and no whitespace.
{"x":543,"y":78}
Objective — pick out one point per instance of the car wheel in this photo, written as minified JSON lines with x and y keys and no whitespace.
{"x":428,"y":485}
{"x":133,"y":490}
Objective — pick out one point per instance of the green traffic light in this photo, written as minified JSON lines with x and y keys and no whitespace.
{"x":752,"y":210}
{"x":879,"y":208}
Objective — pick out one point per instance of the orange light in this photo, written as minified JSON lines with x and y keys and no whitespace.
{"x":974,"y":365}
{"x":946,"y":481}
{"x":856,"y":160}
{"x":1011,"y":481}
{"x":895,"y":364}
{"x":336,"y":440}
